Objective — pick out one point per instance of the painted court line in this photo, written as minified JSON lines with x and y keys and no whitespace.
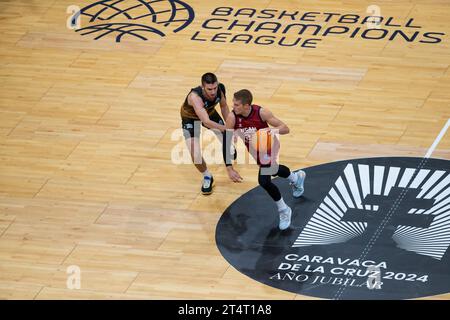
{"x":438,"y":139}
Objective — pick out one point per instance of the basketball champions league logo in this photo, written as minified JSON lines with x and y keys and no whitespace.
{"x":138,"y":19}
{"x":144,"y":19}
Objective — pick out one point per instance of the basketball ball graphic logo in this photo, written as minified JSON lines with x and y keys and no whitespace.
{"x":137,"y":19}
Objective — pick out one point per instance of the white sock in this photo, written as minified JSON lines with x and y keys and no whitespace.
{"x":281,"y":204}
{"x":293,"y":177}
{"x":206,"y":173}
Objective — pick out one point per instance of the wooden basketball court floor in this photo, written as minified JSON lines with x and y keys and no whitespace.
{"x":86,"y":177}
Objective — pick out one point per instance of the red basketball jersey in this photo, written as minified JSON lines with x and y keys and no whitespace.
{"x":247,"y":127}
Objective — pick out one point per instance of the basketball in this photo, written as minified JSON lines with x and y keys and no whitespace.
{"x":261,"y":145}
{"x":264,"y":142}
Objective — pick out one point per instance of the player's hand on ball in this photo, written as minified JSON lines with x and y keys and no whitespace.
{"x":266,"y":131}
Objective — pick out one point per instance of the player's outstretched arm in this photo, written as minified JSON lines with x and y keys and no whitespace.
{"x":224,"y":106}
{"x":197,"y":102}
{"x":229,"y":133}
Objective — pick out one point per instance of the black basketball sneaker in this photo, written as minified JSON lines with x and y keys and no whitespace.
{"x":207,"y":186}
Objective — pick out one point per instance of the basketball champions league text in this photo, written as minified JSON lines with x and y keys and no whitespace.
{"x":306,"y":29}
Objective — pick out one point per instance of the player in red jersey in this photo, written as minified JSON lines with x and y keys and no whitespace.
{"x":251,"y":123}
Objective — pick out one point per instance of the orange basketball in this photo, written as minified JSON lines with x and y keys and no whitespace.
{"x":261,"y":146}
{"x":263,"y":142}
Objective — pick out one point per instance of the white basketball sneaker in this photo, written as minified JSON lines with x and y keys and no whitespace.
{"x":298,"y":187}
{"x":285,"y":218}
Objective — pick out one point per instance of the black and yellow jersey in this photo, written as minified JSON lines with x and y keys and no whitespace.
{"x":187,"y":110}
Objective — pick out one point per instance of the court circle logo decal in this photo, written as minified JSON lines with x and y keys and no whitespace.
{"x":136,"y":19}
{"x":374,"y":228}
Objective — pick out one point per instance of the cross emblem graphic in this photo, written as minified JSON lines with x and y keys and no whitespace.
{"x":399,"y":202}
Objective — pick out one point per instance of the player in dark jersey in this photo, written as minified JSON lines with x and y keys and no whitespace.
{"x":199,"y":107}
{"x":248,"y":120}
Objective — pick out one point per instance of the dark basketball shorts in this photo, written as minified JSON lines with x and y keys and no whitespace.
{"x":189,"y":125}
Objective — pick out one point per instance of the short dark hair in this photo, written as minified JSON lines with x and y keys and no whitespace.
{"x":209,"y":78}
{"x":244,"y":96}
